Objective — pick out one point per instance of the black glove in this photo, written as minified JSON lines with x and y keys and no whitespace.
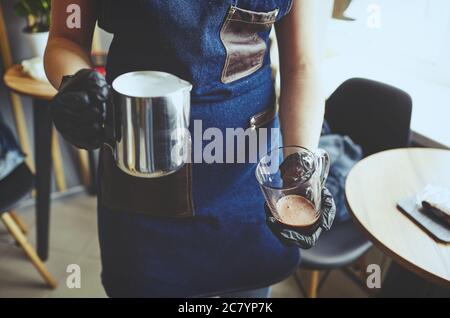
{"x":77,"y":110}
{"x":290,"y":236}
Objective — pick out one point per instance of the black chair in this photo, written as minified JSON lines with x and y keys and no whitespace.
{"x":16,"y":186}
{"x":376,"y":116}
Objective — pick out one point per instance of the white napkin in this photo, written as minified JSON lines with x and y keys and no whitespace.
{"x":34,"y":68}
{"x":438,"y":197}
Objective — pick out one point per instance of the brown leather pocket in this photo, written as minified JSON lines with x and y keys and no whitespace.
{"x":168,"y":196}
{"x":244,"y":46}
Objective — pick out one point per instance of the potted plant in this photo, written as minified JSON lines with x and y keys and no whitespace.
{"x":37,"y":15}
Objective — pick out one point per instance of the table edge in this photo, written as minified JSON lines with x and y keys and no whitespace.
{"x":23,"y":93}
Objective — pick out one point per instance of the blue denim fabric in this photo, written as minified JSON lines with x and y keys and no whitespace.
{"x":181,"y":37}
{"x":227,"y":246}
{"x":344,"y":154}
{"x":10,"y":154}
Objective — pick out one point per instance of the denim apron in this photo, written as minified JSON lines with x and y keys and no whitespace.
{"x":225,"y":246}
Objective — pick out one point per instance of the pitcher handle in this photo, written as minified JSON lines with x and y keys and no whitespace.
{"x":323,"y":164}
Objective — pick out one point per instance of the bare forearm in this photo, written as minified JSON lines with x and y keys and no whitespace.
{"x":64,"y":57}
{"x":302,"y":106}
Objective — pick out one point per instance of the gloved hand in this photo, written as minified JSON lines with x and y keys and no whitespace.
{"x":290,"y":236}
{"x":78,"y":109}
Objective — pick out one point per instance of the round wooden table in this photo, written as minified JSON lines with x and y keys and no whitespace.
{"x":374,"y":187}
{"x":22,"y":84}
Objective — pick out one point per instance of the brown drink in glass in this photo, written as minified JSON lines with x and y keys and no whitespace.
{"x":292,"y":179}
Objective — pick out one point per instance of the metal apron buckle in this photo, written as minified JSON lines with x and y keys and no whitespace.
{"x":264,"y":117}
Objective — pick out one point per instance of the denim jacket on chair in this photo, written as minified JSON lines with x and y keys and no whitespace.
{"x":344,"y":154}
{"x":10,"y":154}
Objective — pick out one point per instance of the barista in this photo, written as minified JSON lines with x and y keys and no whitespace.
{"x":201,"y":231}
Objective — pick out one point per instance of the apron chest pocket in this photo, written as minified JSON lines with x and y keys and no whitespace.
{"x":245,"y":49}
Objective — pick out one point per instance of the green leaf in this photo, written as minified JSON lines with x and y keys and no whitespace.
{"x":22,"y":9}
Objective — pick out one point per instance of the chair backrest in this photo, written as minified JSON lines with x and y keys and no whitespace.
{"x":375,"y":115}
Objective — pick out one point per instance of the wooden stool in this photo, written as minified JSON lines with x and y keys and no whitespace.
{"x":46,"y":149}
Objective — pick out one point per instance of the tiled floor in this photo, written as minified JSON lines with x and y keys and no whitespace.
{"x":74,"y":241}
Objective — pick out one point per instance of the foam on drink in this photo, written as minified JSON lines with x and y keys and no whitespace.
{"x":297,"y":211}
{"x":147,"y":84}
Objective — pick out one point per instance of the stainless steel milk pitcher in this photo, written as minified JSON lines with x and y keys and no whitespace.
{"x":147,"y":123}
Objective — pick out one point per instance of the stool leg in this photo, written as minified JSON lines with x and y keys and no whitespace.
{"x":313,"y":284}
{"x":15,"y":231}
{"x":57,"y":163}
{"x":43,"y":158}
{"x":84,"y":167}
{"x":18,"y":220}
